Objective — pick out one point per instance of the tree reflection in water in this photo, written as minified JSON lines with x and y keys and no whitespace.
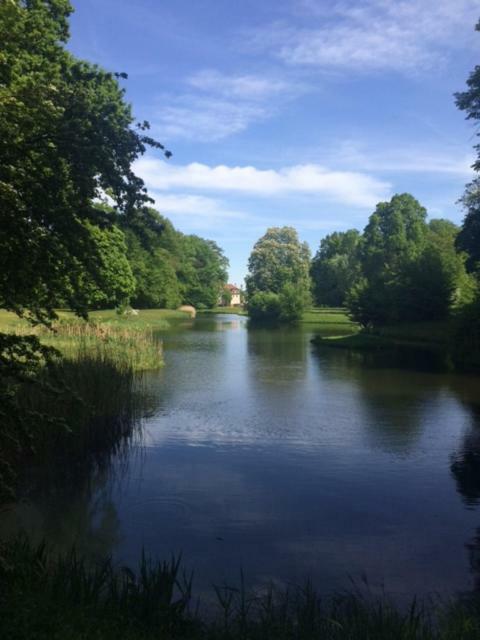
{"x":465,"y":468}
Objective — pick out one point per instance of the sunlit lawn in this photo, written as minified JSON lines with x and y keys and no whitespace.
{"x":146,"y":318}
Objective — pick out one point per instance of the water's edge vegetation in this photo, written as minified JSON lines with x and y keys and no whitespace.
{"x":75,"y":394}
{"x":45,"y":596}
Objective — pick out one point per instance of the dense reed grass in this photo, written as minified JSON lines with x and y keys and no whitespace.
{"x":45,"y":596}
{"x":74,"y":407}
{"x":126,"y":346}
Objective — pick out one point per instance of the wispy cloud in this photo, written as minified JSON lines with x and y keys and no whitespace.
{"x":216,"y":105}
{"x":407,"y":159}
{"x":375,"y":35}
{"x":200,"y":206}
{"x":248,"y":87}
{"x":205,"y":119}
{"x":347,"y":187}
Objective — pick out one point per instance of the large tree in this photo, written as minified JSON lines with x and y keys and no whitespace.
{"x":202,"y":271}
{"x":392,"y":241}
{"x":278,"y":282}
{"x":67,"y":137}
{"x":468,"y":239}
{"x":336,"y":267}
{"x":469,"y":236}
{"x":411,"y":270}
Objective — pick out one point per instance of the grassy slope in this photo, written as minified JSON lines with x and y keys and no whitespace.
{"x":146,"y":318}
{"x":239,"y":311}
{"x":332,"y":326}
{"x":430,"y":335}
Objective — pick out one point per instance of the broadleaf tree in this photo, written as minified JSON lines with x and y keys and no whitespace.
{"x":278,"y":282}
{"x":336,"y":267}
{"x":67,"y":137}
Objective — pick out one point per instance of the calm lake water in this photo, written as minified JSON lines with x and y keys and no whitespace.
{"x":266,"y":453}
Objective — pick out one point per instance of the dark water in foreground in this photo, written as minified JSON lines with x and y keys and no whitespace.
{"x":267,"y":454}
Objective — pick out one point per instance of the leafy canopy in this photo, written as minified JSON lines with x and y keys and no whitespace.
{"x":336,"y":267}
{"x":67,"y":137}
{"x":278,"y":282}
{"x":410,"y":271}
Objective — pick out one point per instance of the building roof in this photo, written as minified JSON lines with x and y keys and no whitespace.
{"x":232,"y":288}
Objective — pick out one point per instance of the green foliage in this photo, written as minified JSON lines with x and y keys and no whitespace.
{"x":202,"y":271}
{"x":44,"y":595}
{"x":157,"y":284}
{"x":410,"y":270}
{"x":466,"y":336}
{"x":66,"y":137}
{"x":278,"y":266}
{"x":171,"y":268}
{"x":226,"y":297}
{"x":265,"y":306}
{"x":336,"y":267}
{"x":394,"y":235}
{"x":468,"y":239}
{"x":292,"y":304}
{"x":466,"y":340}
{"x":469,"y":101}
{"x":69,"y":392}
{"x":393,"y":239}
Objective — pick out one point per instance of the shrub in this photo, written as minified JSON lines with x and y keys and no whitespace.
{"x":265,"y":306}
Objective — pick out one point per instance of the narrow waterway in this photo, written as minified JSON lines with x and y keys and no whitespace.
{"x":267,"y":454}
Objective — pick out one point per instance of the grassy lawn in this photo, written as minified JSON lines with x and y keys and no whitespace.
{"x":146,"y":318}
{"x":329,"y":322}
{"x":239,"y":311}
{"x":432,"y":335}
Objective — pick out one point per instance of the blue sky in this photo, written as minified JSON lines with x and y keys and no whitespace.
{"x":291,"y":112}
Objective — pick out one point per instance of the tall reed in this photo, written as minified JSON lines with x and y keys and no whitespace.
{"x":44,"y":596}
{"x":128,"y":346}
{"x":76,"y":407}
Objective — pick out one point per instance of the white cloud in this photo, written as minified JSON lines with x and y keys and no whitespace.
{"x":205,"y":119}
{"x":217,"y":105}
{"x":399,"y":35}
{"x":198,"y":206}
{"x":347,"y":187}
{"x":403,"y":160}
{"x":248,"y":86}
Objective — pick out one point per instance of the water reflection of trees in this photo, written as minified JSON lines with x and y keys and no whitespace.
{"x":465,"y":467}
{"x":465,"y":462}
{"x":278,"y":347}
{"x":68,"y":501}
{"x":390,"y":402}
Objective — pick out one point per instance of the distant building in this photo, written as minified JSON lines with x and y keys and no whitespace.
{"x":236,"y":296}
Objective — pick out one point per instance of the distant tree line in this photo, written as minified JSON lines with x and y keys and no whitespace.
{"x":67,"y":142}
{"x":171,"y":268}
{"x":402,"y":268}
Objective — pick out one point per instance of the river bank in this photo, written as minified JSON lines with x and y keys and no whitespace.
{"x":46,"y":596}
{"x":72,"y":393}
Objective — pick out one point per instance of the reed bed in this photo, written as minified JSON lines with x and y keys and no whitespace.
{"x":130,"y":346}
{"x":44,"y":596}
{"x":77,"y":406}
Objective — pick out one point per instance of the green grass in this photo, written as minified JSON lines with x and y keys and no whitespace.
{"x":64,"y":416}
{"x":66,"y":597}
{"x":427,"y":335}
{"x":127,"y":346}
{"x":74,"y":407}
{"x":326,"y":321}
{"x":329,"y":322}
{"x":157,"y":319}
{"x":239,"y":311}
